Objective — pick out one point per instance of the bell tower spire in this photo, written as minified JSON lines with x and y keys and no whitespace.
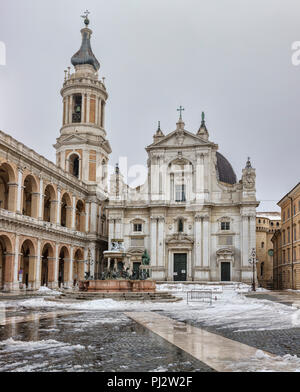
{"x":82,"y":142}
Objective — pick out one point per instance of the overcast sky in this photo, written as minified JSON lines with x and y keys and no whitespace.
{"x":229,"y":58}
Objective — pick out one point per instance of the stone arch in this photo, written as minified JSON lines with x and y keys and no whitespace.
{"x":47,"y":264}
{"x":74,"y":166}
{"x":27,"y":268}
{"x":66,"y":210}
{"x":6,"y":262}
{"x":63,"y":265}
{"x":30,"y":196}
{"x":78,"y":266}
{"x":8,"y":187}
{"x":50,"y":202}
{"x":80,"y":216}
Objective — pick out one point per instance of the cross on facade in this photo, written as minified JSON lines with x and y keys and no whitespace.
{"x":181,"y":109}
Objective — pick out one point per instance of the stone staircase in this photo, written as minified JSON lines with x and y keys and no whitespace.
{"x":159,"y":296}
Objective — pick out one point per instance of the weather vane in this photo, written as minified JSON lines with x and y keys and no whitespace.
{"x":85,"y":17}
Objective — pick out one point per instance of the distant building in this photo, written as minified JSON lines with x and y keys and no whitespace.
{"x":287,"y":242}
{"x":266,"y":225}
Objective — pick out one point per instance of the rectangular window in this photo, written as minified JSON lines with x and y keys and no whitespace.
{"x":289,"y":235}
{"x":137,"y":227}
{"x":225,"y":225}
{"x":180,"y":193}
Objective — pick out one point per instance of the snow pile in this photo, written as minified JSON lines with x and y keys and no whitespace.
{"x":11,"y":345}
{"x":45,"y":290}
{"x":263,"y":362}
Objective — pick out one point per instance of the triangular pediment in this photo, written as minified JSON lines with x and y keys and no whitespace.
{"x":74,"y":139}
{"x":179,"y":138}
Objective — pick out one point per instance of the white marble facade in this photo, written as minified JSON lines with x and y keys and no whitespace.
{"x":196,"y":221}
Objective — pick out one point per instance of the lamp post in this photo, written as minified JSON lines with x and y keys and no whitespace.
{"x":252,"y":261}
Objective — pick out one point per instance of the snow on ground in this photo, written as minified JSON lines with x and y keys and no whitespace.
{"x":231,"y":309}
{"x":263,"y":362}
{"x":45,"y":290}
{"x":11,"y":345}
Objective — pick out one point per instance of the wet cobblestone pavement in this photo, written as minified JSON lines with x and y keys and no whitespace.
{"x":89,"y":341}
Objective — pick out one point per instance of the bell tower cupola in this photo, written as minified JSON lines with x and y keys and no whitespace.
{"x":82,"y":147}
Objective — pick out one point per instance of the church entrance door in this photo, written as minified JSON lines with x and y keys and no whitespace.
{"x":180,"y":266}
{"x":225,"y":272}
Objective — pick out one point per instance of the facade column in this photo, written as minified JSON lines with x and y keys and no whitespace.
{"x":82,"y":107}
{"x":73,"y":223}
{"x":206,"y":240}
{"x":86,"y":252}
{"x":93,"y":225}
{"x":245,"y":241}
{"x":99,"y":112}
{"x":189,"y":265}
{"x":70,"y":279}
{"x":153,"y":240}
{"x":92,"y":261}
{"x":161,"y":242}
{"x":87,"y":213}
{"x":58,"y":206}
{"x":252,"y":233}
{"x":198,"y":240}
{"x":96,"y":109}
{"x":103,"y":115}
{"x":16,"y":264}
{"x":37,"y":282}
{"x":19,"y":192}
{"x":56,"y":266}
{"x":88,"y":108}
{"x":170,"y":266}
{"x":40,"y":215}
{"x":70,"y":108}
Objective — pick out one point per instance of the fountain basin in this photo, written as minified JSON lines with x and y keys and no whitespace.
{"x":115,"y":285}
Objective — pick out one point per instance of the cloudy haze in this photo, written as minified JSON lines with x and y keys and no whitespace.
{"x":229,"y":58}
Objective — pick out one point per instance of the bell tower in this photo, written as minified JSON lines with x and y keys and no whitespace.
{"x":82,"y":148}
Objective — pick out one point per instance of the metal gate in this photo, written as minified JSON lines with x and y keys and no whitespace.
{"x":180,"y":266}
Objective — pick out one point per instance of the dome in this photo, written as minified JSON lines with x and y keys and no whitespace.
{"x":85,"y":54}
{"x":225,"y":171}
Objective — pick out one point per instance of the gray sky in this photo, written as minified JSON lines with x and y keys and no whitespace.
{"x":229,"y":58}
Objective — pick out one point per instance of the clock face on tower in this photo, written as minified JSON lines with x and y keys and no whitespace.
{"x":270,"y":252}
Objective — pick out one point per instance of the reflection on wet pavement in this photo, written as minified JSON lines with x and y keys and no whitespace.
{"x":85,"y":341}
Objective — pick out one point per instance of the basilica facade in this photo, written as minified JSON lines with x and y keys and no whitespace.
{"x":65,"y":222}
{"x":194,"y":218}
